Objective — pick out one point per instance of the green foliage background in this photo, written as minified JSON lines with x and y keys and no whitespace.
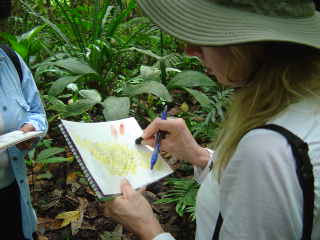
{"x":97,"y":60}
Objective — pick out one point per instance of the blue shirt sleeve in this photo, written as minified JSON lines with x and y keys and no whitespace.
{"x":36,"y":114}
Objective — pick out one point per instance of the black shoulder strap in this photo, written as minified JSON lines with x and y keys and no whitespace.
{"x":305,"y":176}
{"x":14,"y":58}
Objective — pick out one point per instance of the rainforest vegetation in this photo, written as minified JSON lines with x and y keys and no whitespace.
{"x":101,"y":60}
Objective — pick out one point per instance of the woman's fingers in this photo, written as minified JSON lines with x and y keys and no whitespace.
{"x":170,"y":126}
{"x":126,"y":189}
{"x":28,"y":127}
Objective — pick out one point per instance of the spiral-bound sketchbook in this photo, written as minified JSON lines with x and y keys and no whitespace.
{"x":107,"y":153}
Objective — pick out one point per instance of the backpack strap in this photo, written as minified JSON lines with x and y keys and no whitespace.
{"x":305,"y":176}
{"x":14,"y":59}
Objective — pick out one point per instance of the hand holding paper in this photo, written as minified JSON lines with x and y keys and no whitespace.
{"x":19,"y":136}
{"x":133,"y":210}
{"x":28,"y":127}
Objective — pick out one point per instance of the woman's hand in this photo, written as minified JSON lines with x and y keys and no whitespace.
{"x":26,"y":145}
{"x":134,"y":212}
{"x":178,"y":141}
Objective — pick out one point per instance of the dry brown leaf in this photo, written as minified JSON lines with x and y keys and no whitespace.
{"x":37,"y":167}
{"x":68,"y":217}
{"x":89,"y":190}
{"x":45,"y":224}
{"x":76,"y":225}
{"x":72,"y":177}
{"x":40,"y":237}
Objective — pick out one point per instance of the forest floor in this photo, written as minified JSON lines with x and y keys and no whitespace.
{"x":68,"y":209}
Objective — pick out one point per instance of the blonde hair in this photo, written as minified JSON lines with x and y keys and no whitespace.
{"x":282,"y":74}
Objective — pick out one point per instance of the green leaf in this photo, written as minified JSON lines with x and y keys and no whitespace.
{"x":75,"y":66}
{"x":203,"y":99}
{"x":78,"y":107}
{"x":91,"y":94}
{"x":20,"y":48}
{"x":116,"y":108}
{"x":47,"y":153}
{"x":150,"y":87}
{"x":56,"y":104}
{"x":31,"y":34}
{"x":59,"y":85}
{"x":46,"y":175}
{"x":148,"y":72}
{"x":191,"y":79}
{"x":54,"y":160}
{"x":146,"y":52}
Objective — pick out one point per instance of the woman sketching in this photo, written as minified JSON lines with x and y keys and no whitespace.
{"x":251,"y":187}
{"x":20,"y":109}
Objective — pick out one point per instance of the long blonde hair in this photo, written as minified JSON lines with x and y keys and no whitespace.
{"x":282,"y":74}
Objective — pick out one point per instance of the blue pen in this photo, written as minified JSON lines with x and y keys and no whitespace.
{"x":159,"y":136}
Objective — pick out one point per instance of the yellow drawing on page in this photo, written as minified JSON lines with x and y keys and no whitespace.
{"x":118,"y":158}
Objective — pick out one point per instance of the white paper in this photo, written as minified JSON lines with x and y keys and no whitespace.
{"x":15,"y":137}
{"x":110,"y":154}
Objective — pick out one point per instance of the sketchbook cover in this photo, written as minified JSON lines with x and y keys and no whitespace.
{"x":107,"y":153}
{"x":12,"y":138}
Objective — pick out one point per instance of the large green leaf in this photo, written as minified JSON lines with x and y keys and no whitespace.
{"x":151,"y":87}
{"x":75,"y":66}
{"x":190,"y":79}
{"x":203,"y":99}
{"x":47,"y":153}
{"x":78,"y":107}
{"x":59,"y":85}
{"x":91,"y":94}
{"x":116,"y":108}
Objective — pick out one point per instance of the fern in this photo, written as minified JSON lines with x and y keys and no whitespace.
{"x":183,"y":194}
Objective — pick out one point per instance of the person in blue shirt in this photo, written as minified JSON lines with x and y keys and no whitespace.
{"x":20,"y":109}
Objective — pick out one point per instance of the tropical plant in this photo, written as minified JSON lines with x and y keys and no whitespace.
{"x":27,"y":44}
{"x":183,"y":194}
{"x":47,"y":155}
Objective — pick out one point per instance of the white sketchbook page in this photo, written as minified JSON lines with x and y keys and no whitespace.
{"x":15,"y":137}
{"x":110,"y":154}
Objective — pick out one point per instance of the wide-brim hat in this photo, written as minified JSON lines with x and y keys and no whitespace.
{"x":228,"y":22}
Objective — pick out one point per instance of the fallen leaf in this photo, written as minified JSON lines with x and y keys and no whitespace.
{"x":72,"y":177}
{"x":76,"y":225}
{"x":68,"y":217}
{"x":115,"y":235}
{"x":40,"y":237}
{"x":45,"y":224}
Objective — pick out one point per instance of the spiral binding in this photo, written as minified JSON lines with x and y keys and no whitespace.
{"x":84,"y":169}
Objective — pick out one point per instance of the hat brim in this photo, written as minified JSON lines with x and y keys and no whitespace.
{"x":206,"y":23}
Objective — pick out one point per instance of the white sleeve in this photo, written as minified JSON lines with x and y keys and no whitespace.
{"x":201,"y":173}
{"x":260,"y":193}
{"x":164,"y":236}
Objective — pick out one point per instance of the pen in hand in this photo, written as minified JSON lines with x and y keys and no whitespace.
{"x":160,"y":135}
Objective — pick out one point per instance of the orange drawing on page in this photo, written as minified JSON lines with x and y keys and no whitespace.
{"x":122,"y":130}
{"x":114,"y":132}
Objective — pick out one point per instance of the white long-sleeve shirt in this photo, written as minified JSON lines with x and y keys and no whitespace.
{"x":259,"y":195}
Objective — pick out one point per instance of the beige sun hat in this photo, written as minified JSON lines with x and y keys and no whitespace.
{"x":225,"y":22}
